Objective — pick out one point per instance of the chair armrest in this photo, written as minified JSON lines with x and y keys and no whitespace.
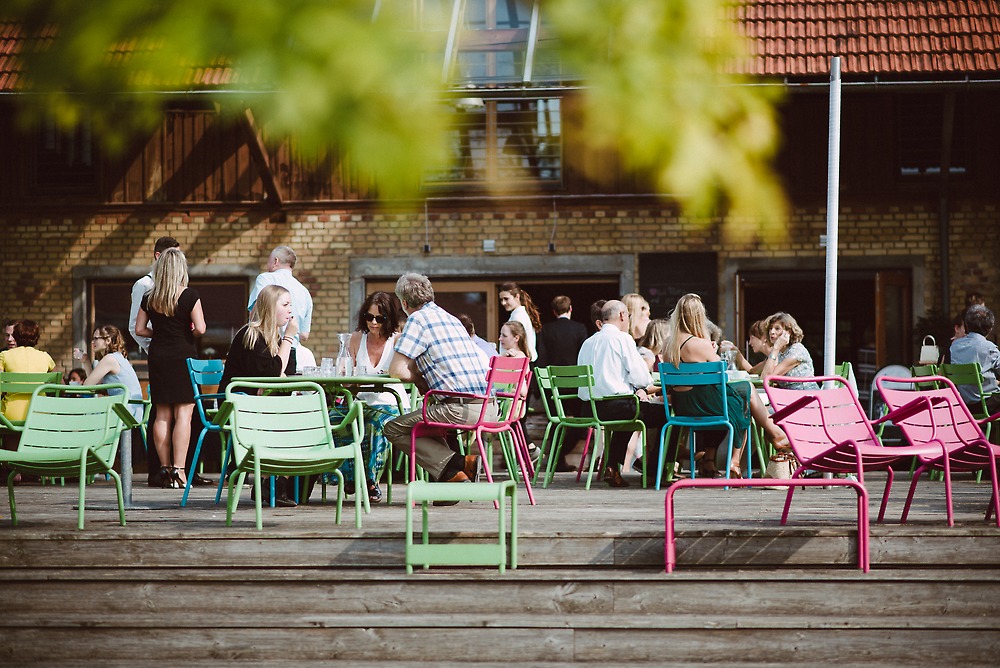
{"x":7,"y":424}
{"x":126,"y":416}
{"x":909,"y":409}
{"x":793,"y":407}
{"x":990,"y":418}
{"x":222,"y":416}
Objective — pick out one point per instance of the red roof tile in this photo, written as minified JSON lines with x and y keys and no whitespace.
{"x":788,"y":38}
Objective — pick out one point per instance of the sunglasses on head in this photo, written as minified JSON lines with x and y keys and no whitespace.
{"x":380,"y":319}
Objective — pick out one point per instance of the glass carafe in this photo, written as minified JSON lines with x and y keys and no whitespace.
{"x":344,"y":365}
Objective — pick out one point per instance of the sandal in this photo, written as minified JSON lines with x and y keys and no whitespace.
{"x":374,"y":494}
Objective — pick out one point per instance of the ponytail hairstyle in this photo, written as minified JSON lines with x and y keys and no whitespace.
{"x":170,"y":277}
{"x":264,"y":320}
{"x":525,"y":300}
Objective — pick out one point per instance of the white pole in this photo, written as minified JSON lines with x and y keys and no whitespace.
{"x":832,"y":224}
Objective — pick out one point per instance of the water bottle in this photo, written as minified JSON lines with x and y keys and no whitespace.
{"x":345,"y":366}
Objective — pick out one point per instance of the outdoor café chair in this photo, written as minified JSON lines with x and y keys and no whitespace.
{"x":71,"y":431}
{"x":505,"y":380}
{"x":288,"y":432}
{"x":830,"y":432}
{"x":203,"y":375}
{"x":16,"y":382}
{"x":945,"y":425}
{"x":566,"y":383}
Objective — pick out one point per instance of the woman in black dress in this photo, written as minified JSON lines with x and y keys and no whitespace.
{"x":259,"y":348}
{"x":171,"y":315}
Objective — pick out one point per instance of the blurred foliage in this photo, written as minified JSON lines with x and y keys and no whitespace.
{"x":655,"y":83}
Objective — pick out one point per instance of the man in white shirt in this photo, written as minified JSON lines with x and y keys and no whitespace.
{"x":279,"y":272}
{"x":618,"y":371}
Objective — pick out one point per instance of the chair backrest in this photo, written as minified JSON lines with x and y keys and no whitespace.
{"x":203,"y":374}
{"x":874,"y":402}
{"x":948,"y":418}
{"x":506,"y":379}
{"x":967,"y":374}
{"x":544,"y":382}
{"x":924,"y":371}
{"x":296,"y":422}
{"x":832,"y":415}
{"x":63,"y":419}
{"x":566,"y":382}
{"x":696,"y":374}
{"x":15,"y":382}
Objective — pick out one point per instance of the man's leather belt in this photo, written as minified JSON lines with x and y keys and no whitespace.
{"x":459,"y":400}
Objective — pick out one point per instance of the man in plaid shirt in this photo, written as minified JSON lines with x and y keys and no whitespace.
{"x":435,"y":351}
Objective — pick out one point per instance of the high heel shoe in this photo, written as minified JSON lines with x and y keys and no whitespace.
{"x":176,"y":481}
{"x":167,"y":478}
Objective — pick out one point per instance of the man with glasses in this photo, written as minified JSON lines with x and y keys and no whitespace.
{"x":280,"y":263}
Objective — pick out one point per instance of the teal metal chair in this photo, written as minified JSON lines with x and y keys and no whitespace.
{"x":698,"y":374}
{"x":566,"y":382}
{"x":288,"y":433}
{"x":71,"y":431}
{"x":204,"y":374}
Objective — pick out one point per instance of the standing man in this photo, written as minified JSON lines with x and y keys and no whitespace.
{"x":619,"y":370}
{"x":561,"y":342}
{"x":139,"y":288}
{"x":279,"y":272}
{"x":436,"y":352}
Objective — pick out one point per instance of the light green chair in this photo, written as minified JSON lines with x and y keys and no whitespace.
{"x":566,"y":382}
{"x":451,"y":553}
{"x":971,"y":374}
{"x":288,"y":433}
{"x":71,"y":431}
{"x":14,"y":382}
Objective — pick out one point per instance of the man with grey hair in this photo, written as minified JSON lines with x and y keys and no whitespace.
{"x":435,"y":351}
{"x":280,"y":263}
{"x":975,"y":347}
{"x":619,"y":371}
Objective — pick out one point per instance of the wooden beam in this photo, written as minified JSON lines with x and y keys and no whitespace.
{"x":258,"y":153}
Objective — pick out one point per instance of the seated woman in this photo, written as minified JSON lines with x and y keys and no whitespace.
{"x":689,"y":342}
{"x":260,"y":349}
{"x":788,"y":357}
{"x":759,"y":343}
{"x":23,"y":358}
{"x":371,"y":351}
{"x":111,"y":365}
{"x":76,"y":376}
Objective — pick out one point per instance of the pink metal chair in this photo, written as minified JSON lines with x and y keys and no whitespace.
{"x":946,"y":424}
{"x":830,"y":432}
{"x":504,"y":373}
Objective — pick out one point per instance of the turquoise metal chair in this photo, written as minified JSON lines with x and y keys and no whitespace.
{"x":205,"y":374}
{"x":71,"y":431}
{"x":698,"y":374}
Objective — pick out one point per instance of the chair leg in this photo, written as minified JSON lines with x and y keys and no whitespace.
{"x":225,"y":467}
{"x":121,"y":496}
{"x":909,"y":497}
{"x":83,"y":494}
{"x":546,"y":450}
{"x":194,"y":467}
{"x":885,"y":494}
{"x":586,"y":449}
{"x":555,"y":450}
{"x":664,"y":439}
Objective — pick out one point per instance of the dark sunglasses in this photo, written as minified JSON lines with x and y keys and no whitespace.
{"x":380,"y":319}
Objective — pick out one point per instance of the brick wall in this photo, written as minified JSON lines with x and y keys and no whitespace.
{"x":40,"y":253}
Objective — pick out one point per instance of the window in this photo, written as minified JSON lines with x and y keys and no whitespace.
{"x":64,"y":160}
{"x":921,"y":128}
{"x":224,"y":301}
{"x":508,"y":142}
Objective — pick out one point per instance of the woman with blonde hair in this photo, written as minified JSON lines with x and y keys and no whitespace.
{"x":513,"y":340}
{"x":689,"y":342}
{"x":112,"y":366}
{"x":171,"y":316}
{"x":259,"y":347}
{"x":522,"y":309}
{"x":638,"y":315}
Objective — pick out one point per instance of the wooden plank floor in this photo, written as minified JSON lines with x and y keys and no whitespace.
{"x":570,"y":526}
{"x":175,"y":586}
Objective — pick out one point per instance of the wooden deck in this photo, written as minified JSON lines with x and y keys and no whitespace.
{"x":589,"y":586}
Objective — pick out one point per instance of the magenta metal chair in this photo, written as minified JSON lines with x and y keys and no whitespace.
{"x":504,"y":373}
{"x":945,"y":425}
{"x":830,"y":432}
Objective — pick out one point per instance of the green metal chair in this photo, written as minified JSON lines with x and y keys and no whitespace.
{"x":923,"y":371}
{"x":288,"y":433}
{"x":552,"y":439}
{"x":971,"y":374}
{"x":566,"y":382}
{"x":71,"y":431}
{"x":14,"y":382}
